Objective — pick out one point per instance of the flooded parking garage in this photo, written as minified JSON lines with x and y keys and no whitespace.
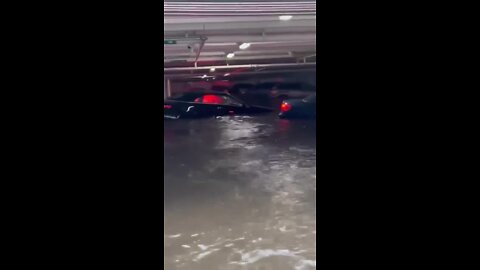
{"x":240,"y":193}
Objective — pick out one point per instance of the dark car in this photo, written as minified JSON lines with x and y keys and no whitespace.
{"x":272,"y":93}
{"x":299,"y":108}
{"x":207,"y":104}
{"x":219,"y":88}
{"x":285,"y":90}
{"x":241,"y":89}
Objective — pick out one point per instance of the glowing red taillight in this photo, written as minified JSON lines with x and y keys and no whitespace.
{"x":167,"y":107}
{"x":285,"y":107}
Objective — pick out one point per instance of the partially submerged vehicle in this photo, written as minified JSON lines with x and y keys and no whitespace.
{"x":208,"y":104}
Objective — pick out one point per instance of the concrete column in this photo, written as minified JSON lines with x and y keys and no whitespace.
{"x":164,"y":88}
{"x":169,"y":88}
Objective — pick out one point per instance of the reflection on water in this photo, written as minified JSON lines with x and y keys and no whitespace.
{"x":240,"y":194}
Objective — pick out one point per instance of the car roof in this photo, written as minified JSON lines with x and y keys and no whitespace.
{"x":194,"y":95}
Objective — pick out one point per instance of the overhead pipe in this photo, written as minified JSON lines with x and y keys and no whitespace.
{"x":232,"y":61}
{"x":239,"y":66}
{"x":187,"y":26}
{"x":307,"y":37}
{"x":220,"y":19}
{"x":183,"y":40}
{"x":309,"y":56}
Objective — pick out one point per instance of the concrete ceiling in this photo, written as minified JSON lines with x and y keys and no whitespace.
{"x":205,"y":32}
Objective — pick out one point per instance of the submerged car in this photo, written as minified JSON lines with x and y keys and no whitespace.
{"x":299,"y":108}
{"x":208,"y":104}
{"x":272,"y":93}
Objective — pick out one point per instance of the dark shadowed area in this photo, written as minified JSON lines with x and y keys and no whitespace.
{"x":240,"y":193}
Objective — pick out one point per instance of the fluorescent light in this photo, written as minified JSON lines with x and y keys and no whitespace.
{"x":212,"y":69}
{"x":204,"y":76}
{"x":244,"y":46}
{"x":226,"y":74}
{"x":285,"y":17}
{"x":230,"y":55}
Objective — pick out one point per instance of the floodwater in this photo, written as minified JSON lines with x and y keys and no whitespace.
{"x":240,"y":194}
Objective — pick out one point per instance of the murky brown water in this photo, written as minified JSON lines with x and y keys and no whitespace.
{"x":240,"y":194}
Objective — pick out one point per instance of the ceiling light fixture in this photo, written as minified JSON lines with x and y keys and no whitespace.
{"x":285,"y":17}
{"x":230,"y":55}
{"x":244,"y":46}
{"x":212,"y":69}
